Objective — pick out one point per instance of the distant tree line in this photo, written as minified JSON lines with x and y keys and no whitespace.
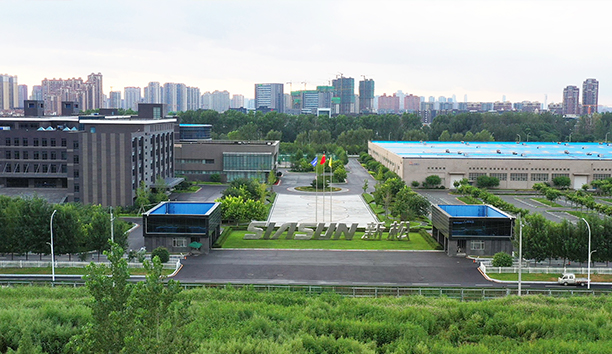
{"x":25,"y":227}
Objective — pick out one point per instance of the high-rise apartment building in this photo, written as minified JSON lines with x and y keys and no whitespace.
{"x":114,"y":99}
{"x":388,"y":104}
{"x":131,"y":97}
{"x":193,"y":98}
{"x":37,"y":93}
{"x":571,"y":100}
{"x":220,"y":101}
{"x":9,"y":95}
{"x":95,"y":92}
{"x":152,"y":93}
{"x":88,"y":94}
{"x":237,"y":101}
{"x":590,"y":93}
{"x":412,"y":103}
{"x":22,"y":94}
{"x":171,"y":98}
{"x":270,"y":96}
{"x":344,"y":88}
{"x":366,"y":96}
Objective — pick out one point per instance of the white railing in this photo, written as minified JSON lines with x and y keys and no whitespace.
{"x":171,"y":264}
{"x":488,"y":269}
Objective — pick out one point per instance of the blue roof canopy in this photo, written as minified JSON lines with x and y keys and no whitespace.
{"x":177,"y":208}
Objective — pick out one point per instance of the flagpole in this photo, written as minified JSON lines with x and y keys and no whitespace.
{"x":323,"y":163}
{"x":316,"y":193}
{"x":331,"y":176}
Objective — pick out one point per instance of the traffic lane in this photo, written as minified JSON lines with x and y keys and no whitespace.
{"x":439,"y":197}
{"x":135,"y":237}
{"x":331,"y":267}
{"x":207,"y":193}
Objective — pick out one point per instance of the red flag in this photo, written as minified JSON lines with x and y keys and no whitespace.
{"x":323,"y":159}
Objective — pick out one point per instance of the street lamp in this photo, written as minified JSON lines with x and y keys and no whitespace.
{"x":111,"y":220}
{"x":520,"y":254}
{"x":52,"y":254}
{"x":589,"y":258}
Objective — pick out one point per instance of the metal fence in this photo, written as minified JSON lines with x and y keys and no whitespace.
{"x":544,"y":270}
{"x":461,"y":294}
{"x":172,"y":264}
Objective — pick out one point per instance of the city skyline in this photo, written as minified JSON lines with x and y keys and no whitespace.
{"x":482,"y":49}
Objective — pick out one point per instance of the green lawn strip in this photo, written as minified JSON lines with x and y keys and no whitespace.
{"x":546,"y":277}
{"x":312,"y":189}
{"x":469,"y":200}
{"x":578,"y":214}
{"x":68,"y":271}
{"x":191,"y":189}
{"x":235,"y":240}
{"x":547,"y":202}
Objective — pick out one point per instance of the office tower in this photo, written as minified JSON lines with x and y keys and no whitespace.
{"x":37,"y":93}
{"x":220,"y":101}
{"x":590,"y":93}
{"x":270,"y":96}
{"x":411,"y":103}
{"x":9,"y":95}
{"x":344,"y":89}
{"x":401,"y":96}
{"x":152,"y":93}
{"x":388,"y":104}
{"x":193,"y":98}
{"x":115,"y":99}
{"x":23,"y":94}
{"x":237,"y":101}
{"x":132,"y":96}
{"x":571,"y":97}
{"x":366,"y":96}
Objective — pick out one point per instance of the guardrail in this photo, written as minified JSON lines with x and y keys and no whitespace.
{"x":544,"y":270}
{"x":461,"y":294}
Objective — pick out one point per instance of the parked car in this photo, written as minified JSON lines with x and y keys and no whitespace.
{"x":570,"y":279}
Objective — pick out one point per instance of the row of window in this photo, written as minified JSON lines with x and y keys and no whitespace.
{"x":34,"y":168}
{"x":201,"y":161}
{"x":536,"y":177}
{"x":36,"y":155}
{"x":38,"y":142}
{"x":197,"y":172}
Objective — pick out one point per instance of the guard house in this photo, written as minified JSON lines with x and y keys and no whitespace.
{"x":182,"y":226}
{"x":476,"y":230}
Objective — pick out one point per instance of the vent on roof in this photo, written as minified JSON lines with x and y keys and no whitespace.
{"x":600,"y":155}
{"x":583,"y":148}
{"x":514,"y":153}
{"x":447,"y":151}
{"x":567,"y":152}
{"x":589,"y":153}
{"x":459,"y":152}
{"x":499,"y":151}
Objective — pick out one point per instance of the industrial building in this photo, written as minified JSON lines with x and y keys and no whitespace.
{"x":475,"y":230}
{"x":516,"y":165}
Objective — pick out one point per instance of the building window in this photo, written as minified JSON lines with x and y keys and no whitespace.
{"x":539,"y":177}
{"x":477,"y":245}
{"x":53,"y":168}
{"x":35,"y":142}
{"x":63,"y":142}
{"x":8,"y":167}
{"x":92,"y":129}
{"x":64,"y":155}
{"x":16,"y":141}
{"x":75,"y":173}
{"x":64,"y":169}
{"x":555,"y":175}
{"x":500,"y":176}
{"x":518,"y":176}
{"x":26,"y":155}
{"x":7,"y":154}
{"x":45,"y":168}
{"x":75,"y":159}
{"x":44,"y":155}
{"x":44,"y":142}
{"x":179,"y":242}
{"x":35,"y":168}
{"x":8,"y":142}
{"x":75,"y":144}
{"x":598,"y":176}
{"x":16,"y":153}
{"x":53,"y":143}
{"x":36,"y":155}
{"x":25,"y":142}
{"x":472,"y":176}
{"x":53,"y":155}
{"x":76,"y":188}
{"x":17,"y":168}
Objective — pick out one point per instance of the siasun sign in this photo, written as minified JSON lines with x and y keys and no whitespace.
{"x":263,"y":230}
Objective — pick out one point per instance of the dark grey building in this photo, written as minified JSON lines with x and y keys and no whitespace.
{"x":182,"y":226}
{"x":477,"y":230}
{"x":92,"y":159}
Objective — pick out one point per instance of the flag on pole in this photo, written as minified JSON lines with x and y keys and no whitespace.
{"x":314,"y":162}
{"x":330,"y":161}
{"x":323,"y":159}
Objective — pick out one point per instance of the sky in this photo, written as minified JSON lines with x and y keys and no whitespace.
{"x":485,"y":49}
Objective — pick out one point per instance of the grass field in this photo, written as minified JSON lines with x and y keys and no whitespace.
{"x":68,"y":271}
{"x":469,"y":200}
{"x":547,"y":277}
{"x":235,"y":240}
{"x":547,"y":202}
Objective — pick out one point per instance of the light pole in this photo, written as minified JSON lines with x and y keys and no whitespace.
{"x":52,"y":253}
{"x":589,"y":258}
{"x":520,"y":254}
{"x":111,"y":220}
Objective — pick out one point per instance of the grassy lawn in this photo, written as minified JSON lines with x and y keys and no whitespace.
{"x":578,"y":214}
{"x":547,"y":277}
{"x":191,"y":189}
{"x":469,"y":200}
{"x":311,"y":189}
{"x":235,"y":240}
{"x":547,"y":202}
{"x":68,"y":271}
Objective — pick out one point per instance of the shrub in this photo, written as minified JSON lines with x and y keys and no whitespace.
{"x":162,"y":253}
{"x":415,"y":184}
{"x":502,"y":259}
{"x":215,"y":177}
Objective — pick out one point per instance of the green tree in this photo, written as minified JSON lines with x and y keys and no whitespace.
{"x":562,"y":182}
{"x":340,"y":174}
{"x":410,"y":205}
{"x":445,"y":136}
{"x":485,"y":181}
{"x":365,"y":185}
{"x":502,"y":259}
{"x":432,"y":181}
{"x":162,"y":253}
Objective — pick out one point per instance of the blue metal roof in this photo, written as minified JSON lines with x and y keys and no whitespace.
{"x":176,"y":208}
{"x":195,"y":125}
{"x":472,"y":211}
{"x":498,"y":150}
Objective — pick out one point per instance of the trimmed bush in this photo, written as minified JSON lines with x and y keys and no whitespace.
{"x":162,"y":253}
{"x":502,"y":259}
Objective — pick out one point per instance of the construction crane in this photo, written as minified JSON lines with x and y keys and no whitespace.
{"x":290,"y":86}
{"x":304,"y":82}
